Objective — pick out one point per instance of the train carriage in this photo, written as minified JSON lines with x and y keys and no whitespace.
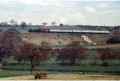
{"x":67,"y":31}
{"x":46,"y":30}
{"x":55,"y":31}
{"x":77,"y":31}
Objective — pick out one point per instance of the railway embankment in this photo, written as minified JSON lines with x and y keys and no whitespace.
{"x":64,"y":38}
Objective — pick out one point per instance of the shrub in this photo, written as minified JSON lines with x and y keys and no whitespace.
{"x":59,"y":42}
{"x":5,"y":63}
{"x":113,"y":41}
{"x":58,"y":35}
{"x":92,"y":64}
{"x":106,"y":64}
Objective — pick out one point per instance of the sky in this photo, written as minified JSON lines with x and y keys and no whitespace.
{"x":68,"y":12}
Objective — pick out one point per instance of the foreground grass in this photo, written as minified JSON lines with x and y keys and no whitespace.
{"x":8,"y":73}
{"x":67,"y":77}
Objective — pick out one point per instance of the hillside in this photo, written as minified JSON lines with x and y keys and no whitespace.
{"x":99,"y":38}
{"x":52,"y":38}
{"x":64,"y":38}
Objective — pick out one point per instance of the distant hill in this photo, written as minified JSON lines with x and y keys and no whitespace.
{"x":64,"y":38}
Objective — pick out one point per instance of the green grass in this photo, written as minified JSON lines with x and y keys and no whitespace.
{"x":13,"y":73}
{"x":52,"y":67}
{"x":14,"y":70}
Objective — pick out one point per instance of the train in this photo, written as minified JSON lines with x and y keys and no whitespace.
{"x":46,"y":30}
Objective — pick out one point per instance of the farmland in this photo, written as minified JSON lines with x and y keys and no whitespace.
{"x":14,"y":69}
{"x":15,"y":72}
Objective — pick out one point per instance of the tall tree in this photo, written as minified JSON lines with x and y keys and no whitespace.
{"x":72,"y":52}
{"x":44,"y":23}
{"x":95,"y":57}
{"x":53,"y":23}
{"x":105,"y":54}
{"x":12,"y":21}
{"x":46,"y":50}
{"x":61,"y":24}
{"x":62,"y":55}
{"x":15,"y":24}
{"x":115,"y":54}
{"x":18,"y":55}
{"x":9,"y":42}
{"x":34,"y":54}
{"x":23,"y":24}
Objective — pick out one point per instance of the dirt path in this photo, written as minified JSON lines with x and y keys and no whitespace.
{"x":67,"y":77}
{"x":87,"y":39}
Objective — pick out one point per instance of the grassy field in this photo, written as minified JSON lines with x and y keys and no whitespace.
{"x":22,"y":70}
{"x":14,"y":71}
{"x":73,"y":69}
{"x":8,"y":73}
{"x":69,"y":68}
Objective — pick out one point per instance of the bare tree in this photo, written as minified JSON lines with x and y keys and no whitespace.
{"x":44,"y":23}
{"x":46,"y":50}
{"x":95,"y":56}
{"x":12,"y":21}
{"x":18,"y":55}
{"x":34,"y":54}
{"x":9,"y":42}
{"x":115,"y":54}
{"x":53,"y":23}
{"x":105,"y":54}
{"x":23,"y":24}
{"x":30,"y":24}
{"x":62,"y":55}
{"x":72,"y":52}
{"x":61,"y":24}
{"x":15,"y":23}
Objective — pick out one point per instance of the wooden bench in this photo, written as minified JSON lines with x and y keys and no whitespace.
{"x":40,"y":75}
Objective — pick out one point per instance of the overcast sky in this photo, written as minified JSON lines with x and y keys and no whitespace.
{"x":61,"y":11}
